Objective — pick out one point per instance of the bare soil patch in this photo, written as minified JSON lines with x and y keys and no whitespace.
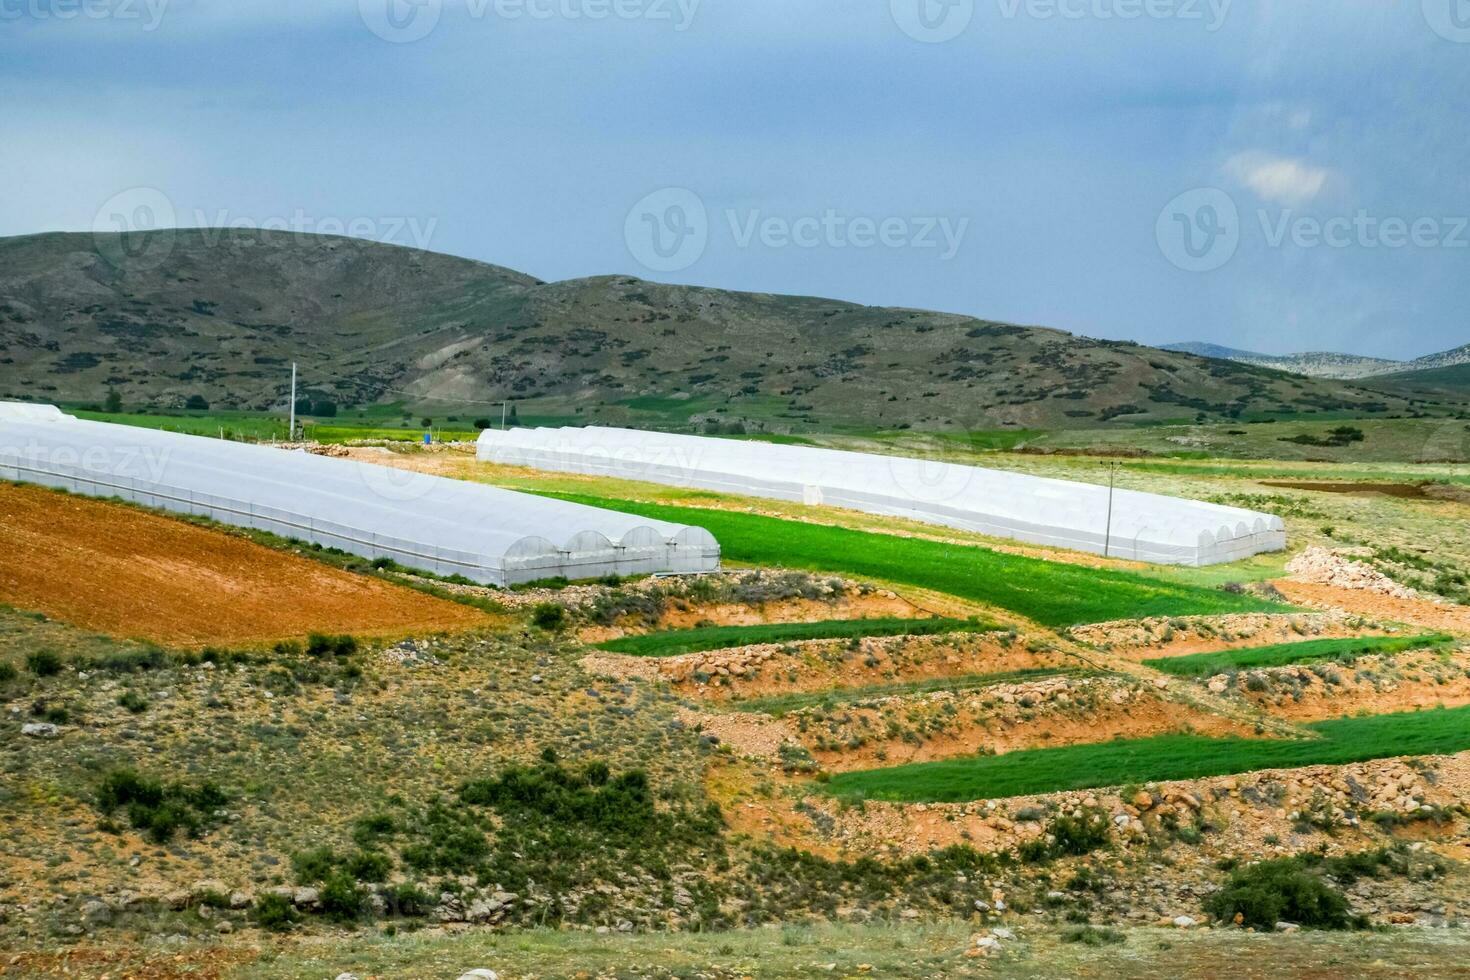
{"x":1043,"y":713}
{"x":1420,"y":612}
{"x":1149,"y":638}
{"x":1372,"y":685}
{"x":124,"y":572}
{"x":823,"y":665}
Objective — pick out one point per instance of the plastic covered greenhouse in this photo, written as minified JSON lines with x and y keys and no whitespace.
{"x":450,"y":527}
{"x":1141,"y":526}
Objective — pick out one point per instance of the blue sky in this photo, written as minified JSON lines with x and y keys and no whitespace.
{"x":1037,"y":161}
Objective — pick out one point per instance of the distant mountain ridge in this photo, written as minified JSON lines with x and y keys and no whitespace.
{"x":1325,"y":364}
{"x":164,"y":317}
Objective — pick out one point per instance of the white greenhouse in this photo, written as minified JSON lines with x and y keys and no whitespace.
{"x":1141,"y":526}
{"x":450,"y":527}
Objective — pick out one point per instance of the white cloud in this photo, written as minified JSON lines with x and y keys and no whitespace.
{"x":1280,"y":180}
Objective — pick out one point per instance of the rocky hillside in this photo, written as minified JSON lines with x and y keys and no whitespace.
{"x":166,"y":316}
{"x":1325,"y":364}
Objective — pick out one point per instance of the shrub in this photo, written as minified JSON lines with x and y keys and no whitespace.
{"x":314,"y":865}
{"x":1092,"y":936}
{"x":549,"y":616}
{"x":342,"y":899}
{"x":274,"y":913}
{"x":43,"y":663}
{"x":407,"y":899}
{"x":134,"y":702}
{"x":372,"y":866}
{"x":322,"y":645}
{"x":1280,"y":890}
{"x":8,"y":673}
{"x":158,"y":810}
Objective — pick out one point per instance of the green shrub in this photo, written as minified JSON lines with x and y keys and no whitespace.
{"x":8,"y":673}
{"x":158,"y":810}
{"x":372,"y":866}
{"x":322,"y":645}
{"x":549,"y":616}
{"x":274,"y":913}
{"x":1280,"y":890}
{"x":43,"y":663}
{"x":133,"y":702}
{"x":1092,"y":936}
{"x":1068,"y":837}
{"x":343,"y":900}
{"x":407,"y":900}
{"x":314,"y":865}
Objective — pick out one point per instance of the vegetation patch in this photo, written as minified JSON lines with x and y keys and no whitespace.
{"x":1167,"y":757}
{"x":1284,"y":654}
{"x":780,"y":704}
{"x":160,"y":810}
{"x":674,"y":642}
{"x":1051,"y":593}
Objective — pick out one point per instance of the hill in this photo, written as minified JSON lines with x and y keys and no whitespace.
{"x":169,"y":315}
{"x":1312,"y":364}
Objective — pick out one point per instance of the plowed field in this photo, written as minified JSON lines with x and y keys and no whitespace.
{"x":128,"y":573}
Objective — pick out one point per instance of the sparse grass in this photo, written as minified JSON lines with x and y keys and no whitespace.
{"x":1050,"y":593}
{"x":780,"y":704}
{"x":674,"y":642}
{"x":1165,"y":757}
{"x":1282,"y":654}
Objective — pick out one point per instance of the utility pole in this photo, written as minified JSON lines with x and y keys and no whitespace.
{"x":503,"y":409}
{"x":1108,"y":535}
{"x":291,"y":437}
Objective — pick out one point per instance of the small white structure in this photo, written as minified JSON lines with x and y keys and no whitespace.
{"x":450,"y":527}
{"x":1059,"y":513}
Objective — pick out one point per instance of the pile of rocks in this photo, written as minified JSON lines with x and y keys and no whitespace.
{"x":1319,"y":566}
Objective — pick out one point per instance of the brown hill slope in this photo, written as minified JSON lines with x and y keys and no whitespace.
{"x":221,"y":314}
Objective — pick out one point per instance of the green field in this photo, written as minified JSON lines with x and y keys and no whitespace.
{"x":380,"y":423}
{"x":1344,"y":740}
{"x":1051,"y":593}
{"x":1282,"y":654}
{"x":780,"y":704}
{"x":671,"y":643}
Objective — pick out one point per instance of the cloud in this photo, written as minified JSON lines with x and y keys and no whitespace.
{"x":1280,"y":180}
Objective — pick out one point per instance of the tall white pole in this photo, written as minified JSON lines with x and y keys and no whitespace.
{"x":292,"y":436}
{"x":502,"y":415}
{"x":1108,"y":534}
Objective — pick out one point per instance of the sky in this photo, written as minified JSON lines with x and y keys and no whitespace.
{"x":1277,"y":175}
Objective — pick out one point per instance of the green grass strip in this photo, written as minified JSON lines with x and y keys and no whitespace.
{"x":1442,"y":731}
{"x":1282,"y":654}
{"x":1051,"y":593}
{"x":670,"y":643}
{"x":781,"y":704}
